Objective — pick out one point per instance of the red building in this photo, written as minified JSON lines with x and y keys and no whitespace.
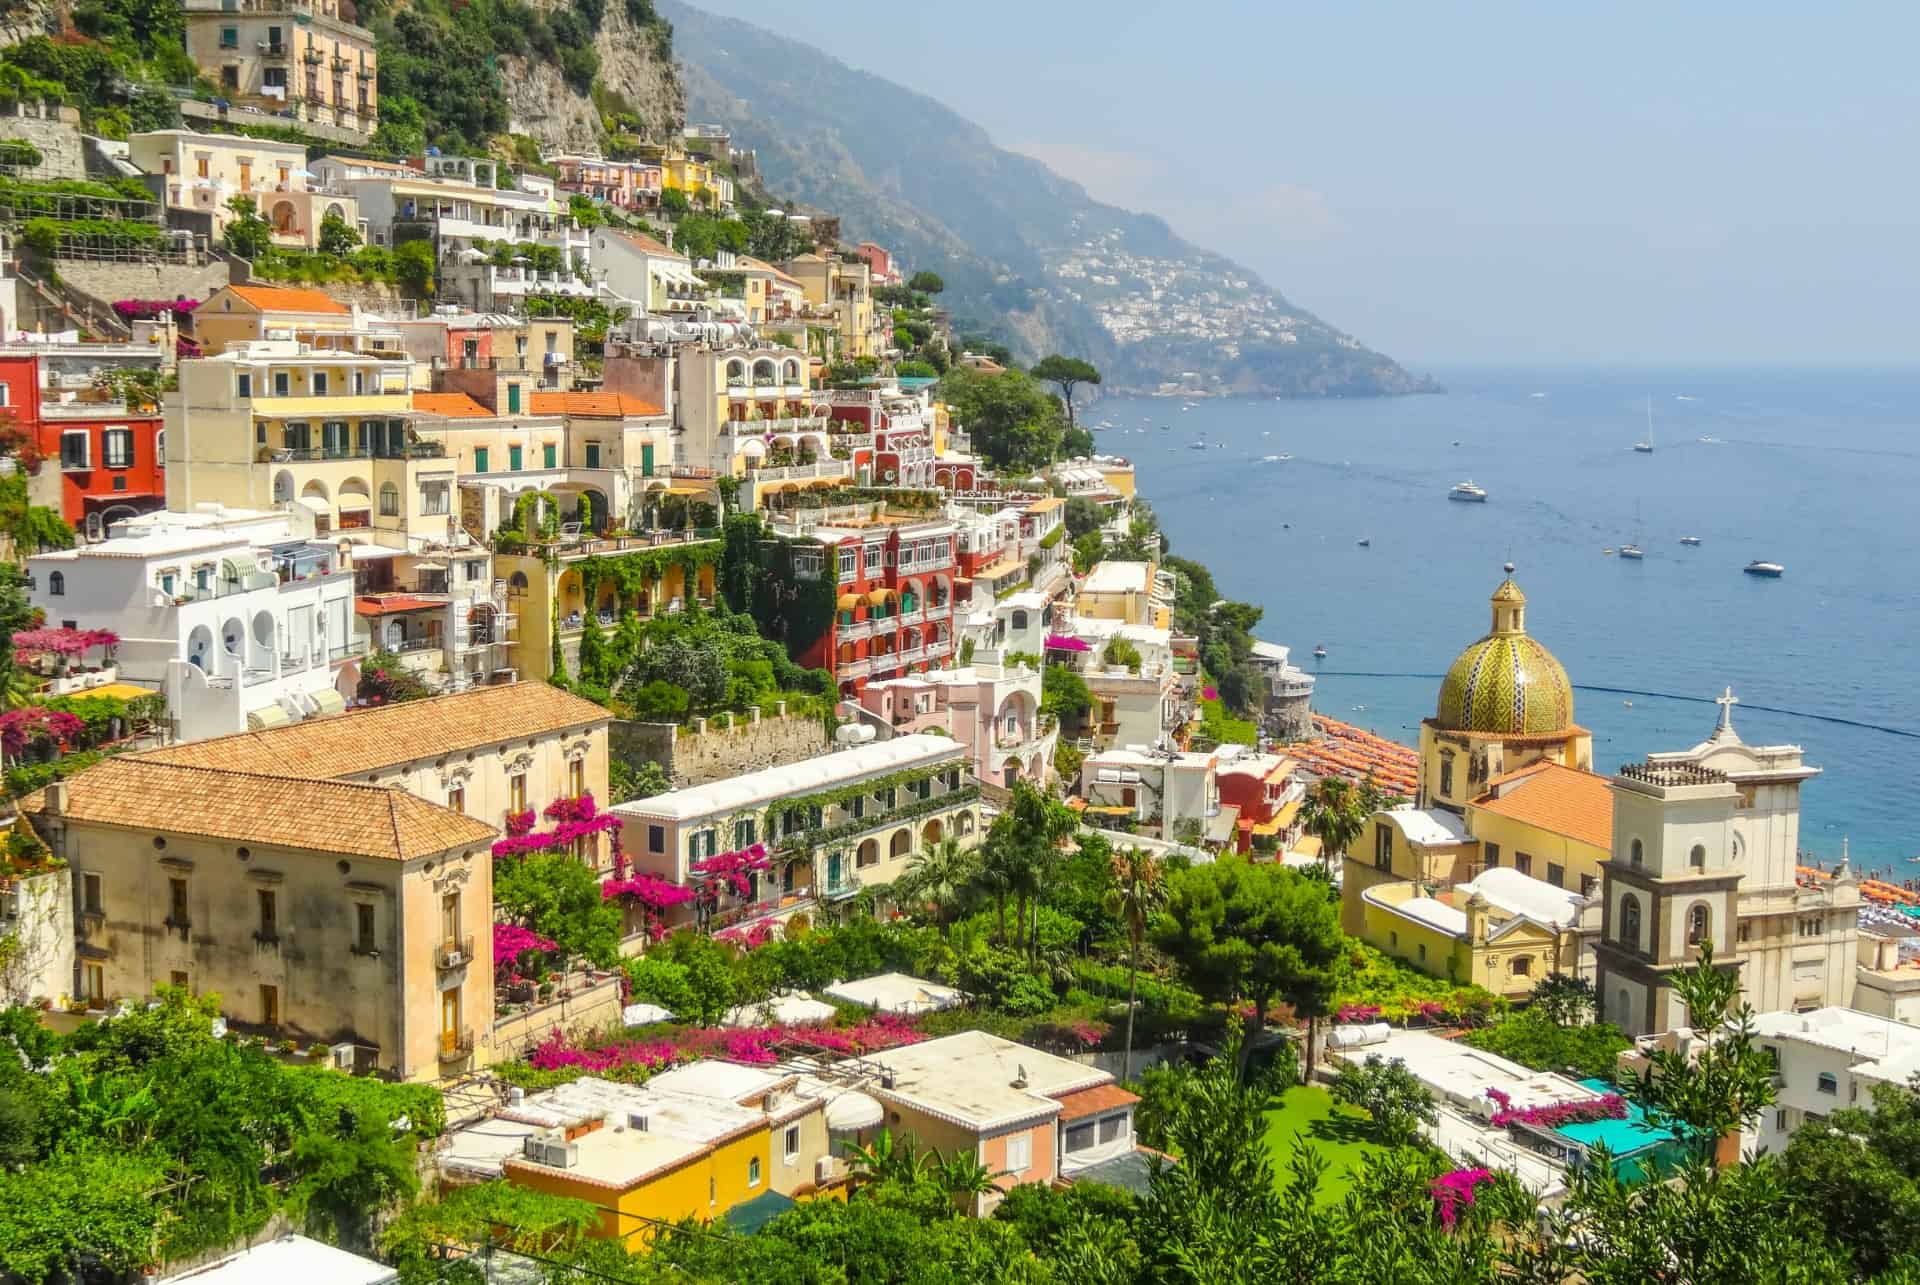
{"x":1263,"y":787}
{"x":96,"y":462}
{"x":894,"y":609}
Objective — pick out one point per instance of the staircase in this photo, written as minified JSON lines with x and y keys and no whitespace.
{"x":80,"y":310}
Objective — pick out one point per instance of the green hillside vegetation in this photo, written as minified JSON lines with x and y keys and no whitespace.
{"x":116,"y":73}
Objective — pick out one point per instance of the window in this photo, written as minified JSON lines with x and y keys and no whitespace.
{"x":1019,"y":620}
{"x":1112,"y":1129}
{"x":1493,"y":855}
{"x":243,"y":385}
{"x":450,"y":917}
{"x":1556,"y":875}
{"x":282,"y":382}
{"x":849,"y":564}
{"x":1586,"y":885}
{"x":713,"y":1192}
{"x":96,"y":978}
{"x":1446,"y":775}
{"x":790,"y":1151}
{"x":1019,"y":1153}
{"x":857,"y":806}
{"x":1780,"y":1121}
{"x":74,"y":449}
{"x":593,"y":457}
{"x":549,"y":455}
{"x":753,"y":1171}
{"x":1741,"y":932}
{"x":1630,"y":920}
{"x":743,"y":834}
{"x":656,"y":838}
{"x":1393,"y":940}
{"x":517,"y":793}
{"x":57,"y":584}
{"x":177,"y":903}
{"x":202,"y":167}
{"x":1081,"y":1137}
{"x":479,"y":459}
{"x":1827,"y":1083}
{"x":1423,"y":952}
{"x":513,"y":458}
{"x":1637,"y":854}
{"x":319,"y":383}
{"x":1698,"y":857}
{"x":873,"y":558}
{"x":229,"y":37}
{"x":433,"y":499}
{"x":1523,"y":862}
{"x":1699,"y":926}
{"x":269,"y":914}
{"x":90,"y":895}
{"x":363,"y":928}
{"x":179,"y":978}
{"x":270,"y":1006}
{"x":1521,"y":966}
{"x":457,"y":799}
{"x":117,"y":444}
{"x":513,"y":399}
{"x":1810,"y":927}
{"x":1383,"y":846}
{"x":389,"y":500}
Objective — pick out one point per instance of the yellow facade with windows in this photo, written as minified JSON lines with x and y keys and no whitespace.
{"x":554,"y":603}
{"x":640,"y":1181}
{"x":1500,"y":952}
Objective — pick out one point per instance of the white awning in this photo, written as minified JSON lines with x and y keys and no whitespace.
{"x":315,"y":503}
{"x":267,"y":716}
{"x":354,"y":503}
{"x":372,"y":552}
{"x":328,"y":701}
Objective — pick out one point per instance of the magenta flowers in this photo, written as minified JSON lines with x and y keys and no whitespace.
{"x":31,"y":644}
{"x":1357,"y":1013}
{"x":22,"y":727}
{"x":1452,"y":1191}
{"x":756,"y":1046}
{"x":576,"y":819}
{"x":1608,"y":1106}
{"x":510,"y":941}
{"x":734,"y":869}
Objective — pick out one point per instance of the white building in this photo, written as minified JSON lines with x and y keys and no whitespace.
{"x":241,"y":621}
{"x":1168,"y":794}
{"x":1828,"y":1059}
{"x":993,"y":710}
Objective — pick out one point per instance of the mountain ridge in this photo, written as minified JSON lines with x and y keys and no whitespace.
{"x":1025,"y":251}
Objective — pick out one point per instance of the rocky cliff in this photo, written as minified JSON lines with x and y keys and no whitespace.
{"x":637,"y":78}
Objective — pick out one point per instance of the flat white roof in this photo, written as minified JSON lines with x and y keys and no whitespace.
{"x":1520,"y":894}
{"x":808,"y":775}
{"x":1434,"y":914}
{"x":1103,"y":627}
{"x":287,"y":1260}
{"x":158,"y":544}
{"x":1847,"y":1030}
{"x":1428,"y":827}
{"x":1270,"y":651}
{"x":896,"y":993}
{"x":969,"y":1079}
{"x":1462,"y":1075}
{"x":1117,"y":577}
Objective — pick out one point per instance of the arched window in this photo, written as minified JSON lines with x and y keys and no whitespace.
{"x":1446,"y":775}
{"x":1019,"y":620}
{"x":1639,"y":853}
{"x":56,"y":584}
{"x":389,"y":500}
{"x":1699,"y":925}
{"x":1630,"y":920}
{"x":1698,"y":857}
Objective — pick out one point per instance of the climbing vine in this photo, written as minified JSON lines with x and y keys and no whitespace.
{"x":636,"y":572}
{"x":793,"y":609}
{"x":841,"y":795}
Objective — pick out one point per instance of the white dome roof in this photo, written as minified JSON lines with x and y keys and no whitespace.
{"x":853,"y":1111}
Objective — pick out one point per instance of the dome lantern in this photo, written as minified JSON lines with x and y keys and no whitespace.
{"x":1506,"y":683}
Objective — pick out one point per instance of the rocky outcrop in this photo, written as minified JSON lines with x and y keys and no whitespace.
{"x":637,"y":76}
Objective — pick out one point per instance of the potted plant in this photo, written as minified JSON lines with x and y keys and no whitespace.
{"x":546,"y":991}
{"x":290,"y":1046}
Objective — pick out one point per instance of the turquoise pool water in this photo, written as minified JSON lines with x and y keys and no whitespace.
{"x":1633,"y":1142}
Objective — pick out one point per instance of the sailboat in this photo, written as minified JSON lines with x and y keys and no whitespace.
{"x":1645,"y":444}
{"x":1632,"y":551}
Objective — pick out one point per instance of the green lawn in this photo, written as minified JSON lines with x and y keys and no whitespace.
{"x":1308,"y":1116}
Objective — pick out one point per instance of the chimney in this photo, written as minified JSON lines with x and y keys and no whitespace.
{"x":1476,"y":919}
{"x":57,"y":798}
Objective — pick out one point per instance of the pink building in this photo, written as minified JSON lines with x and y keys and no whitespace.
{"x":626,"y":184}
{"x":993,"y":711}
{"x":879,"y":264}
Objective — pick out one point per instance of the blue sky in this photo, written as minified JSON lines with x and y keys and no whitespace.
{"x":1490,"y":182}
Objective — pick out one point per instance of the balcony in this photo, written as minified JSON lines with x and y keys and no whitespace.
{"x":456,"y":1045}
{"x":854,"y":632}
{"x":408,"y":451}
{"x":341,"y":64}
{"x":453,"y":953}
{"x":802,"y":472}
{"x":856,"y":668}
{"x":314,"y":56}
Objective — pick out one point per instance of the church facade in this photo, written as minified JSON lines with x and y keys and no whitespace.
{"x":1705,"y":851}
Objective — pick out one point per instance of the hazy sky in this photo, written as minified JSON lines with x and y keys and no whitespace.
{"x":1524,"y":182}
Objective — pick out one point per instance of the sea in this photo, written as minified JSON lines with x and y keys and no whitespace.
{"x":1816,"y":470}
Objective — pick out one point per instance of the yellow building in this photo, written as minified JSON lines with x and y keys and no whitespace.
{"x":1501,"y":931}
{"x":1549,"y":821}
{"x":297,"y":58}
{"x":845,"y":290}
{"x":1123,"y":591}
{"x":555,"y":590}
{"x":203,"y":172}
{"x":349,"y":915}
{"x":236,"y":314}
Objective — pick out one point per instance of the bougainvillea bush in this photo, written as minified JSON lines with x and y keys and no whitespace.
{"x":1452,"y":1191}
{"x":1608,"y":1106}
{"x":755,"y":1046}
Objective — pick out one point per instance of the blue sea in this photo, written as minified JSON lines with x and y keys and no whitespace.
{"x":1817,"y":471}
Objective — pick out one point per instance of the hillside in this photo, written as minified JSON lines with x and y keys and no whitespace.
{"x":1025,"y":253}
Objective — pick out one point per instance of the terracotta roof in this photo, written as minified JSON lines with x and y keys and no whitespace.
{"x":388,"y":604}
{"x":138,"y":793}
{"x":1100,"y":1098}
{"x":370,"y":739}
{"x":1553,"y":797}
{"x":284,"y":299}
{"x":451,"y":405}
{"x":590,"y":405}
{"x":648,"y":244}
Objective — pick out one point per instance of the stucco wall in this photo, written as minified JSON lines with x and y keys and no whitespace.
{"x":594,"y":1008}
{"x":695,"y":757}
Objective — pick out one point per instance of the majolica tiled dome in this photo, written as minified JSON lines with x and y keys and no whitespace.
{"x":1506,"y":683}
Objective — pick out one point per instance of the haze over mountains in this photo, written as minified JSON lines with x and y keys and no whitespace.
{"x":1026,"y":254}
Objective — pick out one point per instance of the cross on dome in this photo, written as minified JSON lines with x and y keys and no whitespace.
{"x":1726,"y":700}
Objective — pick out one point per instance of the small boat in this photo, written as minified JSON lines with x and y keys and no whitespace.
{"x":1690,"y":540}
{"x":1166,"y":428}
{"x":1364,"y":542}
{"x":1709,"y":441}
{"x":1196,"y":446}
{"x":1606,"y":553}
{"x":1632,"y":551}
{"x":1645,"y":444}
{"x":1320,"y":652}
{"x":1469,"y":492}
{"x":1761,"y":567}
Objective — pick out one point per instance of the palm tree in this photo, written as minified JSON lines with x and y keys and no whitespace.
{"x":939,"y":874}
{"x":1136,"y":895}
{"x":884,"y":1159}
{"x":964,"y":1178}
{"x":996,"y":877}
{"x":1336,"y":813}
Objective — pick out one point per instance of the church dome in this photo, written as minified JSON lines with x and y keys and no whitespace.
{"x":1506,"y":683}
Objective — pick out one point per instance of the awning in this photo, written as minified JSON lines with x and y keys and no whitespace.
{"x":314,"y":503}
{"x":328,"y":701}
{"x":113,"y":691}
{"x":354,"y":503}
{"x":848,"y":601}
{"x":1308,"y":845}
{"x":878,"y":596}
{"x":267,"y":716}
{"x":370,"y":552}
{"x":754,"y":1214}
{"x":687,"y":490}
{"x":429,"y":566}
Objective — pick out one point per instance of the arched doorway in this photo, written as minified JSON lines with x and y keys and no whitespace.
{"x":901,"y":845}
{"x":930,"y":834}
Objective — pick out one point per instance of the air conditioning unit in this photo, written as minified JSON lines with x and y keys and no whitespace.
{"x":341,"y":1056}
{"x":823,"y":1170}
{"x":637,"y":1121}
{"x":551,"y":1149}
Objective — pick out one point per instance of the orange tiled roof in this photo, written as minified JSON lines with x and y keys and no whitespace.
{"x":137,"y":793}
{"x":387,"y":604}
{"x":286,"y":299}
{"x":370,"y":739}
{"x":1554,"y":797}
{"x":1093,"y":1101}
{"x":592,"y":405}
{"x":451,"y":405}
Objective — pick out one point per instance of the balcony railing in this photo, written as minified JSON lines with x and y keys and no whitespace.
{"x":455,"y":1045}
{"x":407,"y":451}
{"x":454,"y":953}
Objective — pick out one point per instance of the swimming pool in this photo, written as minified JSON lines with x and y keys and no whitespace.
{"x":1634,"y":1143}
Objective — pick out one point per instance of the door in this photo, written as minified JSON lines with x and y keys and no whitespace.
{"x":833,"y":872}
{"x":646,"y":459}
{"x":450,"y":1019}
